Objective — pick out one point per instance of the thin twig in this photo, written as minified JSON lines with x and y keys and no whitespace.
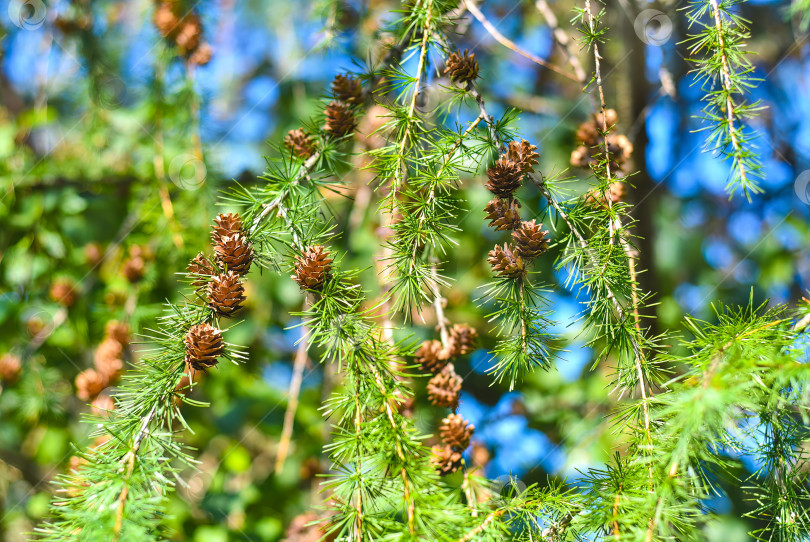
{"x":506,"y":42}
{"x":292,"y":396}
{"x":561,"y":38}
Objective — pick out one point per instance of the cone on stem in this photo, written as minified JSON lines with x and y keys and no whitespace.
{"x":234,"y":253}
{"x":524,"y":154}
{"x":348,"y":89}
{"x":312,"y":268}
{"x":463,"y":339}
{"x":340,"y":119}
{"x":299,"y":143}
{"x":201,"y":267}
{"x":503,"y":214}
{"x":506,"y":263}
{"x":432,"y":356}
{"x":226,"y":293}
{"x":456,"y":432}
{"x":444,"y":388}
{"x":203,"y":346}
{"x":505,"y":177}
{"x":530,"y":240}
{"x":461,"y":67}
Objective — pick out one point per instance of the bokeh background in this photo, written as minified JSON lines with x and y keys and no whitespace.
{"x":114,"y":145}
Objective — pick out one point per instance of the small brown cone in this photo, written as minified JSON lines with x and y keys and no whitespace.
{"x":202,"y":54}
{"x":505,"y":177}
{"x":456,"y":432}
{"x":443,"y":389}
{"x":524,"y":154}
{"x":299,"y":143}
{"x":133,"y":269}
{"x":431,"y":356}
{"x":225,"y":224}
{"x":203,"y":346}
{"x":503,"y":214}
{"x":462,"y":67}
{"x":10,"y":368}
{"x":340,"y":119}
{"x":200,"y":267}
{"x":506,"y":263}
{"x":89,"y":383}
{"x":347,"y":89}
{"x":118,"y":331}
{"x":108,"y":360}
{"x":530,"y":240}
{"x":226,"y":293}
{"x":63,"y":292}
{"x":312,"y":269}
{"x":166,"y":20}
{"x":234,"y":253}
{"x":189,"y":34}
{"x":445,"y":459}
{"x":103,"y":405}
{"x":463,"y":339}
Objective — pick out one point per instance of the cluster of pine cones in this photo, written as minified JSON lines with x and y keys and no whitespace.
{"x":177,"y":23}
{"x":221,"y":282}
{"x":108,"y":362}
{"x":591,"y":140}
{"x":503,"y":212}
{"x":347,"y":94}
{"x":443,"y":391}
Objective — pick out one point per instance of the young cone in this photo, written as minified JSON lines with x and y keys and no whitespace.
{"x":463,"y":339}
{"x":530,"y":240}
{"x":203,"y":346}
{"x":456,"y":432}
{"x":225,"y":224}
{"x":312,"y":269}
{"x":506,"y":263}
{"x":234,"y":253}
{"x":505,"y":176}
{"x":226,"y":293}
{"x":340,"y":119}
{"x":432,"y":356}
{"x":201,"y":267}
{"x":462,"y":67}
{"x":524,"y":154}
{"x":299,"y":143}
{"x":503,"y":214}
{"x":348,"y":89}
{"x":444,"y":388}
{"x":445,"y":459}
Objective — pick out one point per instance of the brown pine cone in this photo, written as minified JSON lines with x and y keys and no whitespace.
{"x":524,"y":154}
{"x":108,"y":359}
{"x":348,"y":89}
{"x":133,"y":269}
{"x":10,"y":368}
{"x":503,"y":214}
{"x":463,"y":339}
{"x":103,"y":405}
{"x":225,"y":224}
{"x":166,"y":20}
{"x":299,"y":143}
{"x":505,"y":262}
{"x":226,"y":293}
{"x":89,"y":383}
{"x":505,"y":177}
{"x":189,"y":34}
{"x":462,"y":67}
{"x":202,"y":54}
{"x":456,"y":432}
{"x":63,"y":292}
{"x":203,"y":346}
{"x":340,"y":119}
{"x":445,"y":460}
{"x":443,"y":389}
{"x":432,"y":357}
{"x":118,"y":331}
{"x":201,"y":267}
{"x":234,"y":253}
{"x":312,"y":269}
{"x":93,"y":254}
{"x":530,"y":240}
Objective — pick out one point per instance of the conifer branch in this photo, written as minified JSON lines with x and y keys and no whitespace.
{"x":725,"y":73}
